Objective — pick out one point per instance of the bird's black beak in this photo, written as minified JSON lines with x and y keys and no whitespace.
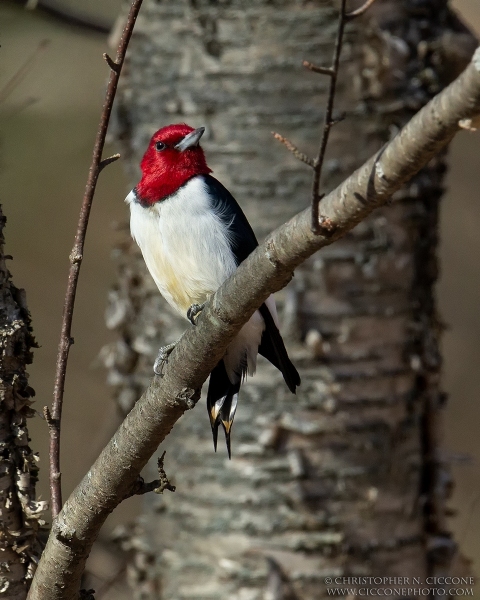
{"x":190,"y":140}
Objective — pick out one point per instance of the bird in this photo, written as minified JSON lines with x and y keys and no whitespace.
{"x":193,"y":235}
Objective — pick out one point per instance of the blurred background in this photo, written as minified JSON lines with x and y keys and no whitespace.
{"x":49,"y":114}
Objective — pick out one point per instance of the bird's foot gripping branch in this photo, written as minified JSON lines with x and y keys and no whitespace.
{"x":162,"y":358}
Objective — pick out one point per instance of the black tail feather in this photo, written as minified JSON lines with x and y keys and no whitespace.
{"x":227,"y":414}
{"x":215,"y":433}
{"x":273,"y":349}
{"x":222,"y":400}
{"x":222,"y":394}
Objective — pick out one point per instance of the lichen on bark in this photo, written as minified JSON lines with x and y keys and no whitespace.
{"x":20,"y":512}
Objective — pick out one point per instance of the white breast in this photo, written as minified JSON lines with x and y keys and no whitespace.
{"x":186,"y":248}
{"x":184,"y":243}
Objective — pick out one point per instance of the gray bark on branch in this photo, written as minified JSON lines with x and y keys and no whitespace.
{"x":267,"y":270}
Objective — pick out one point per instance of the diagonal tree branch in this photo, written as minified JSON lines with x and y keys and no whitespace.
{"x":266,"y":270}
{"x":76,"y":257}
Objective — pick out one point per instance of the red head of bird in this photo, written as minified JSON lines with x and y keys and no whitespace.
{"x":172,"y":158}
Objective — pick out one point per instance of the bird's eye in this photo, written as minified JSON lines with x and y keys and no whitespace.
{"x":160,"y":146}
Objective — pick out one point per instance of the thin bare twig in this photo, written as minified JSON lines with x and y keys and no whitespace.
{"x":76,"y":257}
{"x":158,"y":485}
{"x":359,"y":11}
{"x":110,"y":62}
{"x":108,"y":161}
{"x":293,"y":149}
{"x":316,"y":69}
{"x":328,"y":122}
{"x":22,"y":72}
{"x":317,"y":225}
{"x":316,"y":164}
{"x":48,"y":416}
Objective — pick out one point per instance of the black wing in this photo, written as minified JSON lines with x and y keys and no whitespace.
{"x":273,"y":349}
{"x":222,"y":394}
{"x":226,"y":207}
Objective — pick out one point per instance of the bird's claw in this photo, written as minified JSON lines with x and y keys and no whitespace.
{"x":162,"y":358}
{"x":193,"y":311}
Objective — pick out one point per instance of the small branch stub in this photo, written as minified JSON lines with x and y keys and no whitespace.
{"x":162,"y":477}
{"x":158,"y":485}
{"x":75,"y":257}
{"x":326,"y":226}
{"x":322,"y":70}
{"x":359,"y":11}
{"x":108,"y":161}
{"x":188,"y":397}
{"x":111,"y":63}
{"x":338,"y":119}
{"x":48,"y":417}
{"x":293,"y":149}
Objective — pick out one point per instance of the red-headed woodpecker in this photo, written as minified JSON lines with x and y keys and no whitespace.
{"x":193,"y":235}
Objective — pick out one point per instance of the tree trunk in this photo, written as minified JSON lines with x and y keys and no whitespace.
{"x":20,"y":513}
{"x":344,"y":479}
